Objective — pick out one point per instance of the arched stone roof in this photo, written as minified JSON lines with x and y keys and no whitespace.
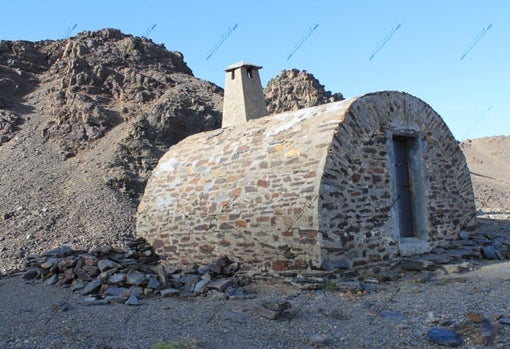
{"x":308,"y":188}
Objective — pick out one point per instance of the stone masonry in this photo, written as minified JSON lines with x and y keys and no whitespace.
{"x":313,"y":188}
{"x":244,"y":97}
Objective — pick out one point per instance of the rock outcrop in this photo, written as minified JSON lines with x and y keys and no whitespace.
{"x":293,"y":89}
{"x":82,"y":123}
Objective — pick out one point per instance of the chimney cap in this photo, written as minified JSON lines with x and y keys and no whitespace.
{"x":242,"y":64}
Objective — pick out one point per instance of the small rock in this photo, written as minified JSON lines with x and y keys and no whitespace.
{"x":443,"y":337}
{"x":89,"y":301}
{"x":431,"y":318}
{"x":91,"y":270}
{"x":32,"y":274}
{"x":169,"y":292}
{"x":89,"y":259}
{"x":147,"y":253}
{"x":91,"y":287}
{"x":116,"y":299}
{"x":233,"y":292}
{"x":162,"y":275}
{"x":47,"y":265}
{"x":371,"y":280}
{"x":82,"y":274}
{"x":490,"y":252}
{"x":272,"y":309}
{"x":107,"y":264}
{"x":216,"y":295}
{"x":464,"y":235}
{"x":210,"y":268}
{"x":78,"y":285}
{"x":133,"y":300}
{"x":61,"y":306}
{"x":318,"y":340}
{"x":504,"y":321}
{"x":69,"y":274}
{"x":67,"y":263}
{"x":230,"y":269}
{"x":220,"y":284}
{"x":116,"y":278}
{"x":190,"y":268}
{"x":117,"y":291}
{"x":153,"y":283}
{"x":200,"y":287}
{"x":487,"y":333}
{"x":457,"y":268}
{"x":52,"y":280}
{"x":136,"y":290}
{"x":135,"y":278}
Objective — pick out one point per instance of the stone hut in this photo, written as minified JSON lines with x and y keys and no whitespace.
{"x":339,"y":185}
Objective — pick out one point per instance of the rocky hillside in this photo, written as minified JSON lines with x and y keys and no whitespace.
{"x":488,"y":159}
{"x":294,"y":89}
{"x":82,"y":123}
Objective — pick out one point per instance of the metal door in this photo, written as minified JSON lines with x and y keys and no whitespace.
{"x":403,"y":186}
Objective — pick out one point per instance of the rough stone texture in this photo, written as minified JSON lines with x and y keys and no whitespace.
{"x":296,"y":89}
{"x":9,"y":123}
{"x":83,"y":121}
{"x":244,"y":98}
{"x":298,"y":189}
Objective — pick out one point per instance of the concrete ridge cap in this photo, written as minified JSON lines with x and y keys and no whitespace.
{"x":242,"y":64}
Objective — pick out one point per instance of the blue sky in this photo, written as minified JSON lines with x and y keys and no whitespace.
{"x":416,"y":45}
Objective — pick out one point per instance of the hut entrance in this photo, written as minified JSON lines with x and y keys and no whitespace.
{"x":410,"y":202}
{"x":403,"y":185}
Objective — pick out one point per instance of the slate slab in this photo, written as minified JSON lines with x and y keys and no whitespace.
{"x":443,"y":337}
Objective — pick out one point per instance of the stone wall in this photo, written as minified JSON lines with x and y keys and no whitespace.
{"x":357,"y":197}
{"x":311,"y":188}
{"x":250,"y":192}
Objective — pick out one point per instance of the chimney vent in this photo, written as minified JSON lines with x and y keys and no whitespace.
{"x":244,"y":98}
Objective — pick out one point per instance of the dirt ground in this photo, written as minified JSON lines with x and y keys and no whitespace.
{"x":395,"y":314}
{"x":392,"y":315}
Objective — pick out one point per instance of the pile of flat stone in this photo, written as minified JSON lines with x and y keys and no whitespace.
{"x":459,"y":258}
{"x":125,"y":276}
{"x":493,"y":246}
{"x":111,"y":275}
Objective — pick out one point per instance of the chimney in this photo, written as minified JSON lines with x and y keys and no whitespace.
{"x":244,"y":97}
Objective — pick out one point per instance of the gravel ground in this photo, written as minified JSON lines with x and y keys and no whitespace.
{"x":396,"y":315}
